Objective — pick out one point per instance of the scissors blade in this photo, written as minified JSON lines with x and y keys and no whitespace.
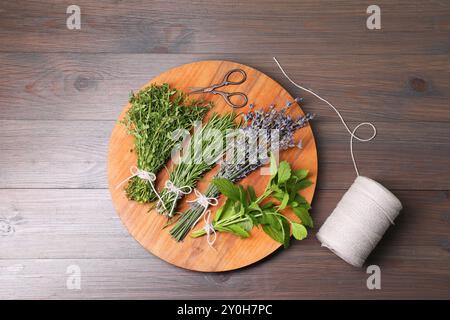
{"x":197,"y":90}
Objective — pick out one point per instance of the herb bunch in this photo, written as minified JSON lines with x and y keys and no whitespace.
{"x":243,"y":209}
{"x":203,"y":154}
{"x":238,"y":168}
{"x":154,"y":114}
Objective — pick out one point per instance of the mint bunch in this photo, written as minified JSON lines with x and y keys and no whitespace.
{"x":243,"y":209}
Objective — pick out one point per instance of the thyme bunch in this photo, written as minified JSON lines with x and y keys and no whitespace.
{"x":155,"y":113}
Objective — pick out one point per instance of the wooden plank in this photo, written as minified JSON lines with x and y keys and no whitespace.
{"x":72,"y":154}
{"x":42,"y":218}
{"x":59,"y":228}
{"x":231,"y":27}
{"x":96,"y":86}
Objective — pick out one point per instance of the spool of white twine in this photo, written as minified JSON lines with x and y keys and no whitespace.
{"x":364,"y":213}
{"x":359,"y":221}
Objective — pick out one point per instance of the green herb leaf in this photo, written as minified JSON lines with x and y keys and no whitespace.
{"x":301,"y":173}
{"x":255,"y":207}
{"x":276,"y":233}
{"x":286,"y":232}
{"x":284,"y":172}
{"x":267,"y":206}
{"x":251,"y":193}
{"x":303,"y":184}
{"x":303,"y":215}
{"x":243,"y":196}
{"x":284,"y":202}
{"x":299,"y":231}
{"x":224,"y":210}
{"x":235,"y":229}
{"x":227,"y":188}
{"x":246,"y":225}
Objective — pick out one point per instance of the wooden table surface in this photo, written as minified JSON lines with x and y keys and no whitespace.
{"x":61,"y":91}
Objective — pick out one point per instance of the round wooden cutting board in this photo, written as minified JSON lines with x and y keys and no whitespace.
{"x":229,"y":251}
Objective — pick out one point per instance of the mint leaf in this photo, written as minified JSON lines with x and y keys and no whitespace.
{"x":235,"y":229}
{"x":275,"y":233}
{"x":227,"y":188}
{"x":226,"y":210}
{"x":246,"y":225}
{"x":251,"y":193}
{"x":284,"y":172}
{"x":268,"y":205}
{"x":286,"y":232}
{"x":243,"y":196}
{"x":299,"y":231}
{"x":254,"y":206}
{"x":301,"y":173}
{"x":284,"y":202}
{"x":303,"y":184}
{"x":303,"y":215}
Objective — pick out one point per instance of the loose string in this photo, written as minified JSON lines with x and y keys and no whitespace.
{"x":144,"y":175}
{"x":209,"y":228}
{"x":203,"y":201}
{"x":178,"y":192}
{"x":351,"y":132}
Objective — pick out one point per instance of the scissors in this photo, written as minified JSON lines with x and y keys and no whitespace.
{"x":227,"y":95}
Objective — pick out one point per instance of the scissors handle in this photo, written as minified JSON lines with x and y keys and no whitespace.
{"x":227,"y":81}
{"x":228,"y":95}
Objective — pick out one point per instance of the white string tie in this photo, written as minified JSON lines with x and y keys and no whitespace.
{"x":144,"y":175}
{"x":209,"y":229}
{"x":178,"y":191}
{"x":205,"y":202}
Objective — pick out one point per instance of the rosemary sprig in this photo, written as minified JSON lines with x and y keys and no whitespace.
{"x":201,"y":158}
{"x":155,"y":113}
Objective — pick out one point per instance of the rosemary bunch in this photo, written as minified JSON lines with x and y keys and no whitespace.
{"x":237,"y":169}
{"x":204,"y":150}
{"x":155,"y":113}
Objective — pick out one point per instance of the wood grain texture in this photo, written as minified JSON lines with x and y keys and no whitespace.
{"x":75,"y":154}
{"x":75,"y":86}
{"x":229,"y":252}
{"x":61,"y":91}
{"x":49,"y":226}
{"x":226,"y":27}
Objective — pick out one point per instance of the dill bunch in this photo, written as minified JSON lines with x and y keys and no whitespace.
{"x":204,"y":150}
{"x":155,"y":113}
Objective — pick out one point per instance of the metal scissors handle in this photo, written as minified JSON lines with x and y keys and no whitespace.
{"x":227,"y":96}
{"x":226,"y":79}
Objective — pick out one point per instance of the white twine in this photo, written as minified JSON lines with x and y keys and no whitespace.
{"x":209,"y":228}
{"x":364,"y":213}
{"x":359,"y":221}
{"x":144,"y":175}
{"x":179,"y":191}
{"x":351,"y":132}
{"x":203,"y":201}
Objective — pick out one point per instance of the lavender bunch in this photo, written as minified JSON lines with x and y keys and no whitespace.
{"x":241,"y":166}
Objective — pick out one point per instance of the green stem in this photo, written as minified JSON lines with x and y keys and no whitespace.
{"x":228,"y":222}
